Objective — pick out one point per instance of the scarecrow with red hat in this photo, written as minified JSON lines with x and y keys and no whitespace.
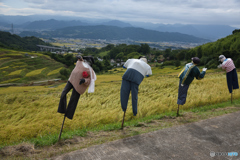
{"x":186,"y":76}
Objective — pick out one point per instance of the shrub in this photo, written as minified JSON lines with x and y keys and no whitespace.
{"x":177,"y":63}
{"x":212,"y":64}
{"x":64,"y":73}
{"x":237,"y":63}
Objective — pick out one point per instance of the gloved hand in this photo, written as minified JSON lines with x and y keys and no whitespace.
{"x":219,"y":66}
{"x":81,"y":81}
{"x":204,"y":69}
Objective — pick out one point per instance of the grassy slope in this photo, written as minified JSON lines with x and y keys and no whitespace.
{"x":31,"y":112}
{"x":14,"y":66}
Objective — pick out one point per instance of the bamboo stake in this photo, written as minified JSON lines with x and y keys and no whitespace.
{"x":123,"y":119}
{"x":178,"y":111}
{"x":59,"y":137}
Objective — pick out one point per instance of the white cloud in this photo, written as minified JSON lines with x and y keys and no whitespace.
{"x":156,"y":11}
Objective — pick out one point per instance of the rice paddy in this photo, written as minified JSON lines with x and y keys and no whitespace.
{"x":24,"y":67}
{"x":31,"y":111}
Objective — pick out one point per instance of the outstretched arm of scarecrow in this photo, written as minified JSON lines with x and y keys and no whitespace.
{"x":202,"y":74}
{"x":149,"y":72}
{"x":85,"y":81}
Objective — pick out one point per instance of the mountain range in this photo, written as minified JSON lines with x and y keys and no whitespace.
{"x":115,"y":33}
{"x":37,"y":22}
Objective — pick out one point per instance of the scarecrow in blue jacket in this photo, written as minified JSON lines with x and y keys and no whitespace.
{"x":137,"y":69}
{"x":186,"y":76}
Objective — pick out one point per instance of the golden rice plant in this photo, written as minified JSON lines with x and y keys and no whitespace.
{"x":54,"y":71}
{"x":35,"y":72}
{"x":17,"y":72}
{"x":27,"y":112}
{"x":10,"y":80}
{"x":4,"y":67}
{"x":4,"y":58}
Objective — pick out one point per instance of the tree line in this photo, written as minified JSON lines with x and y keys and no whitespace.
{"x":13,"y":41}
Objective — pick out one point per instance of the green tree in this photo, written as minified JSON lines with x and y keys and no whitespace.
{"x":199,"y":52}
{"x":181,"y":55}
{"x":167,"y":52}
{"x":133,"y":55}
{"x":121,"y":56}
{"x":64,"y":73}
{"x":144,"y":49}
{"x":107,"y":65}
{"x":177,"y":63}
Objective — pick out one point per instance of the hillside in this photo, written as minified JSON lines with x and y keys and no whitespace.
{"x":13,"y":41}
{"x":23,"y":67}
{"x":115,"y":33}
{"x":228,"y":46}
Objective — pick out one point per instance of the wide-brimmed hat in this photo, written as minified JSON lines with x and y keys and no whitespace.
{"x":196,"y":60}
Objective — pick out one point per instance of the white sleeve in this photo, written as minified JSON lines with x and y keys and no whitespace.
{"x":149,"y":72}
{"x":127,"y":63}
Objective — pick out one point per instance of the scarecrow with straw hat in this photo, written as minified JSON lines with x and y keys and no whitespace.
{"x":81,"y":78}
{"x":186,"y":76}
{"x":232,"y":78}
{"x":137,"y":69}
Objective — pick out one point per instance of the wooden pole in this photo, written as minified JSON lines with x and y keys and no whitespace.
{"x":231,"y":98}
{"x":178,"y":111}
{"x":123,"y":119}
{"x":59,"y":137}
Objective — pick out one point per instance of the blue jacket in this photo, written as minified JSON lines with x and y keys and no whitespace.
{"x":188,"y":73}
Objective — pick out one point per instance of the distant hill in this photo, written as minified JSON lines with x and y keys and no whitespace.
{"x":52,"y":24}
{"x":212,"y":32}
{"x":40,"y":22}
{"x":13,"y":41}
{"x":117,"y":24}
{"x":116,"y":33}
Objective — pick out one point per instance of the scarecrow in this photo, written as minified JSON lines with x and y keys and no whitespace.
{"x":137,"y":69}
{"x":186,"y":76}
{"x":232,"y":78}
{"x":81,"y":78}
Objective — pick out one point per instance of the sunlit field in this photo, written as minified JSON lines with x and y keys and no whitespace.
{"x":24,"y":67}
{"x":28,"y":112}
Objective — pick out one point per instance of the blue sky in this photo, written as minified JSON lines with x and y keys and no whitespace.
{"x":224,"y":12}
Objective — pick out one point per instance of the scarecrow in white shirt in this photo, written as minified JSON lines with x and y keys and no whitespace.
{"x":137,"y":69}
